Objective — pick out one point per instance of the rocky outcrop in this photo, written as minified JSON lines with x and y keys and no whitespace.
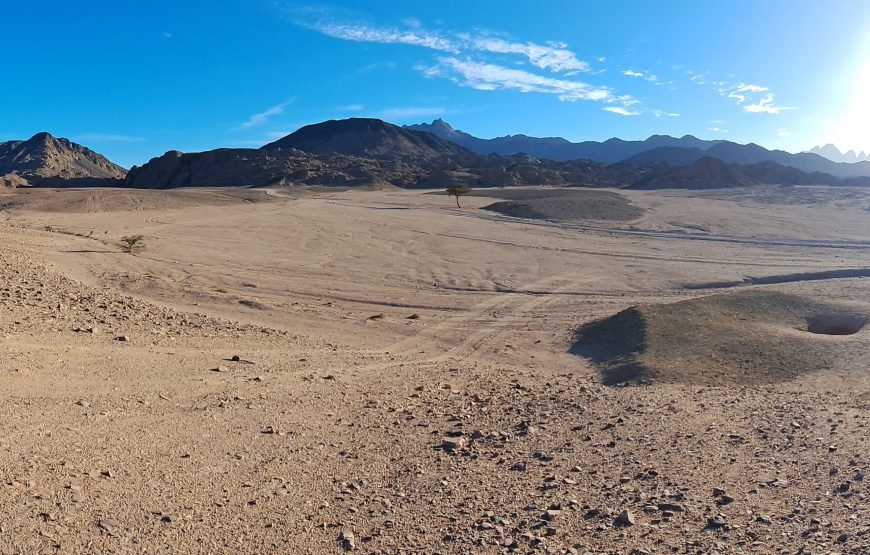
{"x":47,"y":160}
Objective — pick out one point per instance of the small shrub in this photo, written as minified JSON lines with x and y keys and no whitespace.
{"x":131,"y":244}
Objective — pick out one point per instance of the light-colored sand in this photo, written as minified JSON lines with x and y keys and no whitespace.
{"x":379,"y":322}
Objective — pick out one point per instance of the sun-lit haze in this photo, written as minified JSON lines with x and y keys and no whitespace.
{"x":144,"y":78}
{"x":851,"y":110}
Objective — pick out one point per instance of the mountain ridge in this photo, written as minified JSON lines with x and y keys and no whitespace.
{"x":665,"y":150}
{"x":47,"y":160}
{"x":365,"y":152}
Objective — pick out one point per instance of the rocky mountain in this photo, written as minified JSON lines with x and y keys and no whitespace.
{"x":373,"y":139}
{"x":556,"y":148}
{"x":50,"y":161}
{"x":653,"y":150}
{"x":373,"y":153}
{"x":834,"y":154}
{"x":712,"y":173}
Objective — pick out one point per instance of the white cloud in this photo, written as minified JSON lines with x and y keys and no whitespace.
{"x":553,"y":57}
{"x":351,"y":108}
{"x":490,"y":77}
{"x":363,"y":33}
{"x":743,"y":87}
{"x":641,"y":75}
{"x":621,"y":111}
{"x":717,"y":130}
{"x":660,"y":113}
{"x":740,"y":98}
{"x":783,"y":133}
{"x":263,"y":117}
{"x":765,"y":105}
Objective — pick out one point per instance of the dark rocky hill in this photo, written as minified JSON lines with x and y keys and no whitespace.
{"x":370,"y":138}
{"x":47,"y":160}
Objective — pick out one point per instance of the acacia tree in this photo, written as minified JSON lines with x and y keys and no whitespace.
{"x":457,"y":192}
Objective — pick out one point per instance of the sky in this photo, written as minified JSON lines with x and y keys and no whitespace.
{"x":133,"y":79}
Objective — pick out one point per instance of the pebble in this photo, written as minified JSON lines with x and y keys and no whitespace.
{"x":348,"y":542}
{"x":624,"y":519}
{"x":107,"y":526}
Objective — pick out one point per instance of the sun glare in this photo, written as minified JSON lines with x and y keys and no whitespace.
{"x":852,"y":131}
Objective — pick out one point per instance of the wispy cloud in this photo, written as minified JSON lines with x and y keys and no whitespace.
{"x":554,"y":57}
{"x":641,"y":75}
{"x":490,"y":77}
{"x":754,"y":98}
{"x":717,"y":130}
{"x":351,"y":108}
{"x":108,"y":138}
{"x":743,"y":87}
{"x":662,"y":113}
{"x":363,"y":33}
{"x":766,"y":105}
{"x":622,"y":111}
{"x":783,"y":133}
{"x":264,"y":116}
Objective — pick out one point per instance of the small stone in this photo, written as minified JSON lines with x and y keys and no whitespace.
{"x":107,"y":526}
{"x":624,"y":519}
{"x":348,"y":542}
{"x":718,"y":491}
{"x":716,"y":522}
{"x":122,"y":338}
{"x":167,"y":519}
{"x":453,"y":443}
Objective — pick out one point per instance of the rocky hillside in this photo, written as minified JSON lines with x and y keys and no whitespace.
{"x":50,"y":161}
{"x":371,"y":138}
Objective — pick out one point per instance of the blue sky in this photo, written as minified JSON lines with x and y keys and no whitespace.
{"x":136,"y":78}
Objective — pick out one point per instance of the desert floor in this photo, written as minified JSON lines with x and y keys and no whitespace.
{"x":406,"y":377}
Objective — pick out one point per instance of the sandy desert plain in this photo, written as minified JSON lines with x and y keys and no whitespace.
{"x":321,"y":371}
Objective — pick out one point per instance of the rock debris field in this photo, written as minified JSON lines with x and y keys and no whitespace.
{"x":381,"y":372}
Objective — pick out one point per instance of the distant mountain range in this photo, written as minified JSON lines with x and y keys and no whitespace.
{"x":656,"y":149}
{"x":46,"y":160}
{"x":833,"y":153}
{"x":370,"y":152}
